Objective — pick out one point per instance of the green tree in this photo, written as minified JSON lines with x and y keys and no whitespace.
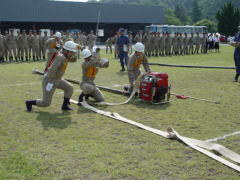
{"x":212,"y":26}
{"x":228,"y":18}
{"x":170,"y":18}
{"x":181,"y":14}
{"x":196,"y":12}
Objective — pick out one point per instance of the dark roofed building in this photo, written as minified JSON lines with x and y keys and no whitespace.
{"x":45,"y":14}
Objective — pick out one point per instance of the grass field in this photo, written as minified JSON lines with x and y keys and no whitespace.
{"x":50,"y":145}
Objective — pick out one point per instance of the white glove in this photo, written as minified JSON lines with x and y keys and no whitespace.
{"x":34,"y":71}
{"x":49,"y":87}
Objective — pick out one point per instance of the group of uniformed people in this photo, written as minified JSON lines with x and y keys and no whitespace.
{"x":163,"y":44}
{"x":33,"y":45}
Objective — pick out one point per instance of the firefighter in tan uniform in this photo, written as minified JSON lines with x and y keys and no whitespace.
{"x":162,"y":41}
{"x":91,"y":40}
{"x":11,"y":46}
{"x":53,"y":45}
{"x":134,"y":63}
{"x":147,"y":43}
{"x":197,"y":43}
{"x":139,"y":37}
{"x":43,"y":39}
{"x":130,"y":37}
{"x":23,"y":45}
{"x":168,"y":44}
{"x":18,"y":46}
{"x":109,"y":43}
{"x":2,"y":47}
{"x":89,"y":71}
{"x":30,"y":45}
{"x":36,"y":43}
{"x":53,"y":77}
{"x":191,"y":44}
{"x":185,"y":44}
{"x":174,"y":44}
{"x":115,"y":38}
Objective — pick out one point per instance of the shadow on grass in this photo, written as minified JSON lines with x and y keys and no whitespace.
{"x":144,"y":104}
{"x":54,"y":120}
{"x":121,"y":73}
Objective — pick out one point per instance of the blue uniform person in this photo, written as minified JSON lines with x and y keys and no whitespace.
{"x":123,"y":48}
{"x":236,"y":44}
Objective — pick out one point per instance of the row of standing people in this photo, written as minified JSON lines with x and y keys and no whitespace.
{"x":34,"y":45}
{"x":162,"y":44}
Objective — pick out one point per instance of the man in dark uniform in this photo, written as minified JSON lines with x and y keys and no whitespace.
{"x":236,"y":44}
{"x":122,"y":48}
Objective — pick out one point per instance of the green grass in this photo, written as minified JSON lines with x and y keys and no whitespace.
{"x":50,"y":145}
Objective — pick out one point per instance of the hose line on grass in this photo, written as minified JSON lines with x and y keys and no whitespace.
{"x":191,"y":66}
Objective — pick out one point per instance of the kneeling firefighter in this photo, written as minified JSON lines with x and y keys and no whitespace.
{"x":135,"y":60}
{"x":89,"y":71}
{"x":53,"y":77}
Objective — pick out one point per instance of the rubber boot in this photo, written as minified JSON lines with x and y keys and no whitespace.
{"x":29,"y":104}
{"x":123,"y":68}
{"x":65,"y":105}
{"x":80,"y":98}
{"x":236,"y":78}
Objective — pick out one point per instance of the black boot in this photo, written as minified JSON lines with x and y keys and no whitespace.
{"x":80,"y":98}
{"x":29,"y":104}
{"x":123,"y":68}
{"x":65,"y":105}
{"x":236,"y":78}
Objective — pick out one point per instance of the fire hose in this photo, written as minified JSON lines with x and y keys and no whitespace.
{"x":190,"y":66}
{"x":137,"y":84}
{"x":201,"y":146}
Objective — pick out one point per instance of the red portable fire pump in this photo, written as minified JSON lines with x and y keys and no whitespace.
{"x":154,"y":87}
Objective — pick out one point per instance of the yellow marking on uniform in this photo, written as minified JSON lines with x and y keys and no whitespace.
{"x":91,"y":72}
{"x":53,"y":45}
{"x":64,"y":66}
{"x":138,"y":62}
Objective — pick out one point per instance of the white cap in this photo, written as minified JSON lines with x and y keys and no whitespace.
{"x":86,"y":53}
{"x":139,"y":47}
{"x":70,"y":46}
{"x":58,"y":34}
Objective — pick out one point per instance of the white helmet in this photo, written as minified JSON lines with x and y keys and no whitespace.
{"x":58,"y":34}
{"x":139,"y":47}
{"x":70,"y":46}
{"x":86,"y":53}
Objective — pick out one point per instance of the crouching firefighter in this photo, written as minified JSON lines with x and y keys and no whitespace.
{"x":89,"y":71}
{"x":53,"y":74}
{"x":135,"y":60}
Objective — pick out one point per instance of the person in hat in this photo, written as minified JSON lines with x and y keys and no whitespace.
{"x":11,"y":42}
{"x":130,"y":37}
{"x":43,"y":39}
{"x":92,"y":61}
{"x":123,"y":48}
{"x":53,"y":80}
{"x":53,"y":45}
{"x":135,"y":60}
{"x":91,"y":40}
{"x":236,"y":43}
{"x":23,"y":45}
{"x":2,"y":47}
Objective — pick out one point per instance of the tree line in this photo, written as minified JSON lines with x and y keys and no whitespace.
{"x":218,"y":15}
